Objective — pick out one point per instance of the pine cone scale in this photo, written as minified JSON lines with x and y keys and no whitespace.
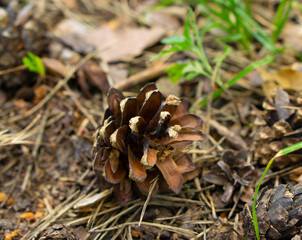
{"x":137,"y":171}
{"x":171,"y":173}
{"x":279,"y":213}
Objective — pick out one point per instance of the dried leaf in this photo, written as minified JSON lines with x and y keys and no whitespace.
{"x":290,"y":77}
{"x":122,"y":43}
{"x":55,"y":66}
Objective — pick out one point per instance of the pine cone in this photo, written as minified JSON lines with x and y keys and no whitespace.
{"x":141,"y":138}
{"x":277,"y":129}
{"x":279,"y":213}
{"x":19,"y":33}
{"x":230,"y":172}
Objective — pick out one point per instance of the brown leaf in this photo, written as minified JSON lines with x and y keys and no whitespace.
{"x":291,"y":35}
{"x":171,"y":173}
{"x":137,"y":172}
{"x":290,"y":77}
{"x":55,"y":66}
{"x":162,"y":19}
{"x":215,"y":178}
{"x":123,"y":42}
{"x":96,"y":75}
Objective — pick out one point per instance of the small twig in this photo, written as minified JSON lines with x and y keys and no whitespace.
{"x":80,"y":106}
{"x":130,"y":219}
{"x":14,"y":69}
{"x":214,"y":215}
{"x":147,"y":200}
{"x":149,"y":73}
{"x":26,"y":177}
{"x":236,"y":202}
{"x":129,"y":209}
{"x":182,"y":231}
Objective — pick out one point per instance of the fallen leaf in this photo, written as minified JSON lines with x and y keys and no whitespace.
{"x":40,"y":214}
{"x":296,"y":176}
{"x":286,"y":77}
{"x":55,"y":66}
{"x":10,"y":201}
{"x":290,"y":77}
{"x":162,"y":19}
{"x":292,"y":34}
{"x":29,"y":216}
{"x":123,"y":42}
{"x":70,"y":26}
{"x":2,"y":196}
{"x":13,"y":235}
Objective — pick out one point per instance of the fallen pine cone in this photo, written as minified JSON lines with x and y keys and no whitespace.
{"x":230,"y":170}
{"x":278,"y":128}
{"x":279,"y":213}
{"x":142,"y":138}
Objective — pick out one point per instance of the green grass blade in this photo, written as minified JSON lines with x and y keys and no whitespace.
{"x":257,"y":31}
{"x":282,"y":152}
{"x":281,"y":17}
{"x":241,"y":74}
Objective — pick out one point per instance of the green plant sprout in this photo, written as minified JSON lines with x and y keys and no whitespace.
{"x":238,"y":76}
{"x":281,"y":17}
{"x":281,"y":153}
{"x":34,"y":64}
{"x":190,"y":41}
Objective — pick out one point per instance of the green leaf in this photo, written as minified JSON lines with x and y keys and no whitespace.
{"x":29,"y":64}
{"x":175,"y":72}
{"x":240,"y":75}
{"x":173,"y":39}
{"x":34,"y":64}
